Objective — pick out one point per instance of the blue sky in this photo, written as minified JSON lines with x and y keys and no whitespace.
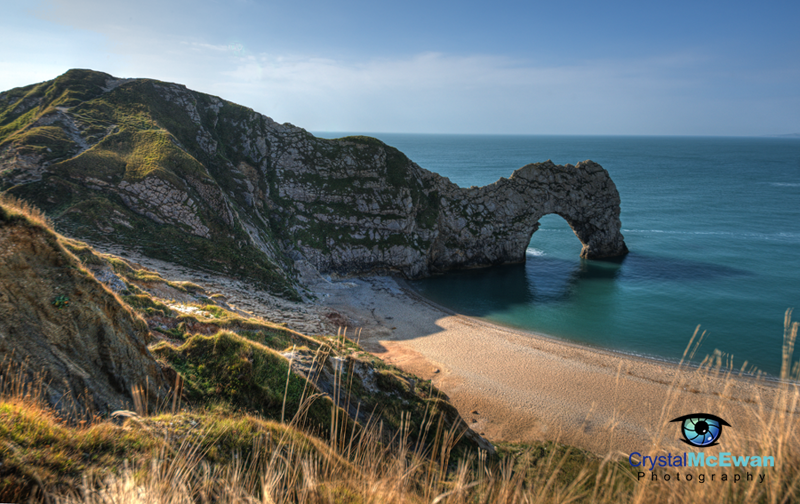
{"x":603,"y":68}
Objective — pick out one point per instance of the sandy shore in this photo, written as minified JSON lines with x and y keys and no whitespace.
{"x":516,"y":386}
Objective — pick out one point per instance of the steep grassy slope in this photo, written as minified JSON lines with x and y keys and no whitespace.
{"x":58,"y":322}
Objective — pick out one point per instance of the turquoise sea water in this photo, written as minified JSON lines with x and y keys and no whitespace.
{"x":713,"y":226}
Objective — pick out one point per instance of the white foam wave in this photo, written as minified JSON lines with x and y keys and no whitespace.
{"x":534,"y":252}
{"x":678,"y":232}
{"x":785,"y":184}
{"x":764,"y":236}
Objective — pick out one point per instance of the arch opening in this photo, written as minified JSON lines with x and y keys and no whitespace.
{"x":554,"y":236}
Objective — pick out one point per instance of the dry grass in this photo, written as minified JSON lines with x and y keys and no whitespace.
{"x":271,"y":462}
{"x":221,"y":456}
{"x":12,"y":208}
{"x":771,"y":431}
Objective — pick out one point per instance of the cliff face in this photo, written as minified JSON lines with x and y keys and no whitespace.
{"x":197,"y":180}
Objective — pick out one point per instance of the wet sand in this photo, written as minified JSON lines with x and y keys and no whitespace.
{"x":516,"y":386}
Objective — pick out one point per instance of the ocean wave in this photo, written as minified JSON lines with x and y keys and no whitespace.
{"x":534,"y":252}
{"x":785,"y":184}
{"x":679,"y":232}
{"x":763,"y":236}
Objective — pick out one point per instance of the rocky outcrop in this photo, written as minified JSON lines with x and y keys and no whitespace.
{"x":494,"y":224}
{"x":373,"y":209}
{"x":197,"y":180}
{"x":162,"y":203}
{"x":65,"y":329}
{"x":427,"y":224}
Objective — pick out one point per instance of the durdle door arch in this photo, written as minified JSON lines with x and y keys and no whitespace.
{"x":494,"y":224}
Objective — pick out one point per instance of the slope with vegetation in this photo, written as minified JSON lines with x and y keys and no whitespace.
{"x":216,"y":453}
{"x":85,"y":334}
{"x":55,"y":317}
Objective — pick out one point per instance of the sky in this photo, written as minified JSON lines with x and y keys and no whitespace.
{"x":510,"y":67}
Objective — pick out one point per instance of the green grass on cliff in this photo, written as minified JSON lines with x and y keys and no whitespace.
{"x":134,"y":133}
{"x":49,"y":142}
{"x":133,"y":155}
{"x":147,"y":306}
{"x":227,"y":367}
{"x":24,"y":105}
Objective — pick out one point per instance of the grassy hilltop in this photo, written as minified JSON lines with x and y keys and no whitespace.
{"x":76,"y":140}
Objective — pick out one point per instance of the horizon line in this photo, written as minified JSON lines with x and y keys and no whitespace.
{"x":789,"y":136}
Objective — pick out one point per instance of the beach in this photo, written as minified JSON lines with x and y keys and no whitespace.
{"x":515,"y":386}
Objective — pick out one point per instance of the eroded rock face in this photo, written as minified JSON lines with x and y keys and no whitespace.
{"x":58,"y":321}
{"x":373,"y":209}
{"x":494,"y":224}
{"x":239,"y":193}
{"x":162,"y":203}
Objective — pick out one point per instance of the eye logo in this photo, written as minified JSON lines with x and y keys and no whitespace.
{"x":701,"y":429}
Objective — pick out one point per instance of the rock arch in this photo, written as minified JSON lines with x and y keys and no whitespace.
{"x":494,"y":224}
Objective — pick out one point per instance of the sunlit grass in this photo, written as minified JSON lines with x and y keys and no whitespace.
{"x":218,"y":455}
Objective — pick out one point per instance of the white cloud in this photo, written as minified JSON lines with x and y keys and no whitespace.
{"x":439,"y":93}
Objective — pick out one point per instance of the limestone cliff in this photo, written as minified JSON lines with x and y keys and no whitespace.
{"x":192,"y":178}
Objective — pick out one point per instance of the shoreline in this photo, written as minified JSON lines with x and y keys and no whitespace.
{"x":411,"y":292}
{"x":513,"y":385}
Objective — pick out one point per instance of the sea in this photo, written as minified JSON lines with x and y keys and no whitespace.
{"x":713,"y":228}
